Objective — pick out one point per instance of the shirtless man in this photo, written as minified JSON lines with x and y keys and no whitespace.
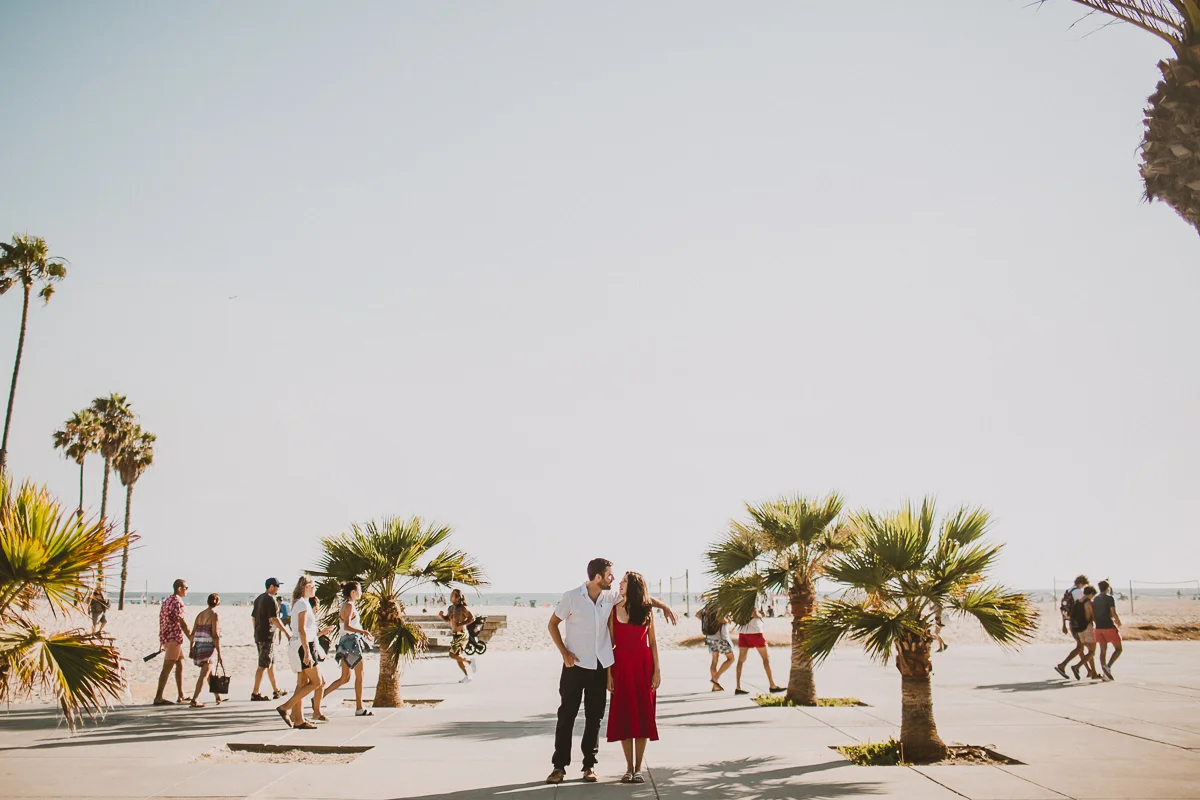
{"x":459,"y":618}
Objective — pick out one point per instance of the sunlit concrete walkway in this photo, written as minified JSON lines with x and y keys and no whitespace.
{"x":1136,"y":738}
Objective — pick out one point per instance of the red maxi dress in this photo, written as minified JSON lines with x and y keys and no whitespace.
{"x":631,"y":712}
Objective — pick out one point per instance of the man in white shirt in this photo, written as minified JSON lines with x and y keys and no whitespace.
{"x":586,"y":648}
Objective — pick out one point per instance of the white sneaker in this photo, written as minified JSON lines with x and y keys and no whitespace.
{"x":472,"y":667}
{"x":466,"y":679}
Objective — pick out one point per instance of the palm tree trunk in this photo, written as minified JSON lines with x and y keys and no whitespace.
{"x":387,"y":686}
{"x":125,"y":551}
{"x":12,"y":390}
{"x":81,"y":489}
{"x":801,"y":688}
{"x":919,"y":740}
{"x":103,"y":510}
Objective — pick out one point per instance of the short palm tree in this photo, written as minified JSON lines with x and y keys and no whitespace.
{"x":116,"y":418}
{"x":783,"y":548}
{"x":25,"y":261}
{"x":51,"y":553}
{"x":77,"y":437}
{"x":904,"y":569}
{"x":135,"y":455}
{"x":391,"y":558}
{"x":1171,"y":144}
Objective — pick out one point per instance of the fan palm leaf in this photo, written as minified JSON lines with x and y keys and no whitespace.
{"x":81,"y":670}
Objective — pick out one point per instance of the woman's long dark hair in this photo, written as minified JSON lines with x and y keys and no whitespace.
{"x":637,"y":604}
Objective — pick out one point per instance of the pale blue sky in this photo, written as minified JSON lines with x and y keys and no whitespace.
{"x":580,"y":279}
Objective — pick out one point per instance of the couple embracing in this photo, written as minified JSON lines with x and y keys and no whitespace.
{"x":607,"y":642}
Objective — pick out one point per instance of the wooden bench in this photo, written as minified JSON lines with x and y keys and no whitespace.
{"x":437,"y":630}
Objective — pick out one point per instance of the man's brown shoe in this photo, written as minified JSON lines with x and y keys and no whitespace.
{"x":589,"y":775}
{"x":556,"y":776}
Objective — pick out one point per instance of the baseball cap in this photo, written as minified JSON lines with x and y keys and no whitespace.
{"x":272,"y":582}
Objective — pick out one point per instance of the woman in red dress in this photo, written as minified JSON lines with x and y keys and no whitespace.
{"x":633,"y":678}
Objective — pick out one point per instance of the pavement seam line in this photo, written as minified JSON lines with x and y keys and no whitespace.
{"x":653,"y":783}
{"x":1035,"y":783}
{"x":939,"y":783}
{"x":272,"y":783}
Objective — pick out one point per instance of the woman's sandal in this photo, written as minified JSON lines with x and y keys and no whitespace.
{"x":194,"y":704}
{"x":286,"y":719}
{"x":638,"y":778}
{"x":305,"y":726}
{"x":627,"y":777}
{"x":716,"y":686}
{"x":364,"y":712}
{"x":319,"y":717}
{"x":278,"y":693}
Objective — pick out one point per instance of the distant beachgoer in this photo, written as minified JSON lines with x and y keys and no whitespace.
{"x":459,"y":617}
{"x":206,"y":642}
{"x":172,"y":627}
{"x":354,"y":640}
{"x":304,"y":655}
{"x":285,"y":616}
{"x":1070,"y":598}
{"x":1108,"y":625}
{"x":98,"y":604}
{"x":750,"y":637}
{"x":265,"y":614}
{"x":716,"y":638}
{"x":635,"y":675}
{"x":587,"y":652}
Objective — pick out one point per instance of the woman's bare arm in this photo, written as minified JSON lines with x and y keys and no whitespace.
{"x":656,"y":679}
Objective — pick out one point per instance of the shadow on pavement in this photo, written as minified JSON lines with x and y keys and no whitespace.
{"x":138,"y":724}
{"x":1033,"y":686}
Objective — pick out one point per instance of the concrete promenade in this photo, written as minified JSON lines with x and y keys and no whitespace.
{"x":1137,"y":738}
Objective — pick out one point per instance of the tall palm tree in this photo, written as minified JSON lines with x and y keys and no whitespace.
{"x":391,"y":558}
{"x":904,"y":570}
{"x":48,"y":552}
{"x":783,"y":548}
{"x":77,"y":437}
{"x":135,"y":455}
{"x":116,"y":418}
{"x":25,"y":261}
{"x":1171,"y":144}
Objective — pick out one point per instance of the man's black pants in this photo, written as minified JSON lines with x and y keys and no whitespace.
{"x":590,"y":686}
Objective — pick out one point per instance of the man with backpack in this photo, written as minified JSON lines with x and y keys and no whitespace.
{"x":716,"y":638}
{"x":1070,"y":598}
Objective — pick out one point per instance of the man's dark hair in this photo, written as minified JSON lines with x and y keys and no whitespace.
{"x":178,"y":583}
{"x":1081,"y":580}
{"x":597,"y":566}
{"x":1088,"y":591}
{"x":1104,"y":586}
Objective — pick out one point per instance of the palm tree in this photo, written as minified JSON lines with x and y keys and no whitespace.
{"x":391,"y":558}
{"x":116,"y":417}
{"x":26,"y":260}
{"x":135,"y":455}
{"x":77,"y":437}
{"x":48,"y":552}
{"x":900,"y":575}
{"x":784,"y":548}
{"x":1171,"y":144}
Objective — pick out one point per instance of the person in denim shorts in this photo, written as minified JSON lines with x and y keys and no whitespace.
{"x":719,"y":645}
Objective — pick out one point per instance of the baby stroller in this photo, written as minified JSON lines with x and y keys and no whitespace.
{"x":475,"y":645}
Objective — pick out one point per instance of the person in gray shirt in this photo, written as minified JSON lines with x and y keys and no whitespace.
{"x":1108,"y":625}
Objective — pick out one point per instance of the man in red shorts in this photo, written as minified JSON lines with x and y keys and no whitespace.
{"x":1108,"y":625}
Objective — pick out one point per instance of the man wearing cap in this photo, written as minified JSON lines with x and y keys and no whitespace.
{"x":266,"y":615}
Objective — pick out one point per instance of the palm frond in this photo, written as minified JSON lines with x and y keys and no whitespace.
{"x":878,"y":628}
{"x":1008,"y":617}
{"x":403,"y":638}
{"x":736,"y":551}
{"x":1173,"y":21}
{"x":738,"y":596}
{"x":81,"y":670}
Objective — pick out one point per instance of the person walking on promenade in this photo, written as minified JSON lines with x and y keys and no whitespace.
{"x":98,"y":605}
{"x":586,"y":649}
{"x":1108,"y":624}
{"x":265,"y":614}
{"x":635,"y":675}
{"x":303,"y":656}
{"x":206,"y":642}
{"x":1070,"y":598}
{"x":750,"y":637}
{"x":716,"y":639}
{"x":354,"y":640}
{"x":459,"y":617}
{"x":171,"y":629}
{"x":939,"y":625}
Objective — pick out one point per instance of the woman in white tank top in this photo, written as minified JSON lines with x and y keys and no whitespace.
{"x":352,"y":642}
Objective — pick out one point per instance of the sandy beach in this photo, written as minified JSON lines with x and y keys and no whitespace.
{"x":136,"y":632}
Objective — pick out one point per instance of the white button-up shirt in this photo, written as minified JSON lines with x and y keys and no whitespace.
{"x":585,"y":626}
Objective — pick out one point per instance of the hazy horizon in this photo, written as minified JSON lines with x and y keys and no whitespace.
{"x":580,"y":280}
